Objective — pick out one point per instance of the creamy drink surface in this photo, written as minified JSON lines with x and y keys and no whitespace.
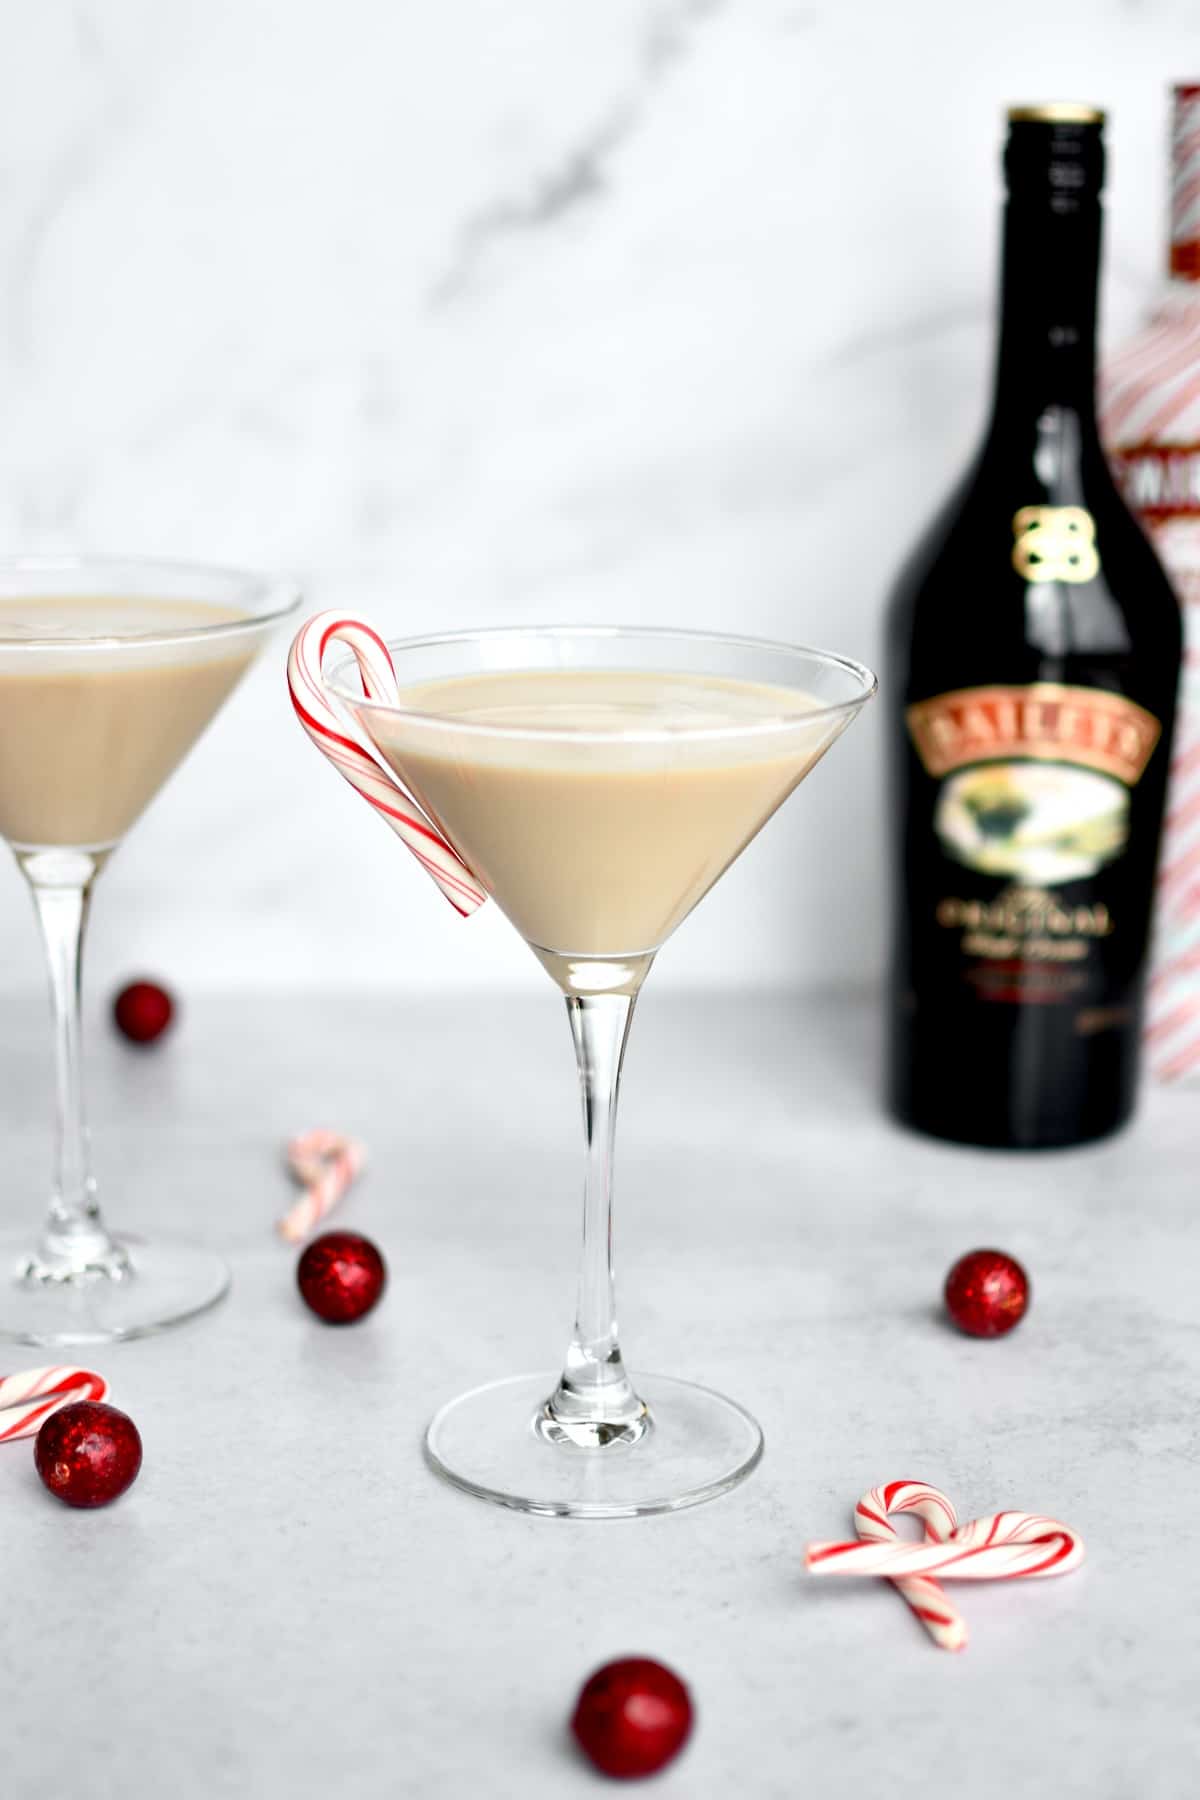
{"x":94,"y":715}
{"x":596,"y":844}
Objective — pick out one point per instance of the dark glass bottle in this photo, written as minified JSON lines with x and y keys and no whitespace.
{"x":1033,"y":652}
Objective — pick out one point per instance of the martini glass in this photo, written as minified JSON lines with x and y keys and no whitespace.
{"x":598,"y":782}
{"x":109,"y":671}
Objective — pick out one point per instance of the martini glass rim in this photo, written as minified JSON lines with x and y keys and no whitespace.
{"x":268,"y":598}
{"x":340,"y":680}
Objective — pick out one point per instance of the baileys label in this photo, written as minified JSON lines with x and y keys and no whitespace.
{"x":1042,"y":722}
{"x":1033,"y":790}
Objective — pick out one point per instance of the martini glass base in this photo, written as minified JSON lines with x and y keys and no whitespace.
{"x":156,"y":1285}
{"x":699,"y":1445}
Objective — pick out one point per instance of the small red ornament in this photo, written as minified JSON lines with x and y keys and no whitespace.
{"x":632,"y":1717}
{"x":88,"y":1453}
{"x":987,"y":1293}
{"x":142,"y":1011}
{"x":341,"y":1276}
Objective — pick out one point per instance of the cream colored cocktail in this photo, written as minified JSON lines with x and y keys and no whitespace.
{"x":89,"y":730}
{"x":598,"y":807}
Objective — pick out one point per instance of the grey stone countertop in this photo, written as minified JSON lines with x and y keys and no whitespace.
{"x":289,"y":1603}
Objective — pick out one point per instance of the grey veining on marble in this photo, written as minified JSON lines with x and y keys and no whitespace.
{"x":289,"y":1604}
{"x":671,"y":311}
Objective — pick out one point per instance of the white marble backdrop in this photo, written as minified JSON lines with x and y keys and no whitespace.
{"x":654,"y":310}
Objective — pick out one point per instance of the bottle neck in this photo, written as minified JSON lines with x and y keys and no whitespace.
{"x":1047,"y":352}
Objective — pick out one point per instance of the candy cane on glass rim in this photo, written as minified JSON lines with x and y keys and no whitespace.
{"x":27,"y":1399}
{"x":352,"y":761}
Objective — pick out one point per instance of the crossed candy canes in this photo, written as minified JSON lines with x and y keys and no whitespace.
{"x":1005,"y":1546}
{"x":326,"y":1164}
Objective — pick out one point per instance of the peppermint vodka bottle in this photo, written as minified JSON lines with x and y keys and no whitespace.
{"x":1150,"y":422}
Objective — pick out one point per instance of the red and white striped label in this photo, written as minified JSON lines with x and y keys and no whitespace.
{"x":1150,"y":421}
{"x":1159,"y":481}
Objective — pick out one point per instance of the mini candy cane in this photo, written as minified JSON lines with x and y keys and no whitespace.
{"x":944,"y":1623}
{"x":31,"y":1396}
{"x":1003,"y":1546}
{"x":355,"y":763}
{"x":326,"y":1163}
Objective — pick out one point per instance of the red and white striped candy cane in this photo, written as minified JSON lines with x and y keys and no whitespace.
{"x":1001,"y":1547}
{"x":1005,"y":1546}
{"x":31,"y":1396}
{"x":928,"y":1599}
{"x":327,"y":1164}
{"x":354,"y":762}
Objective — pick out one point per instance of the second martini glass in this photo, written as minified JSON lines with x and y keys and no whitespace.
{"x":597,"y":782}
{"x":109,"y":671}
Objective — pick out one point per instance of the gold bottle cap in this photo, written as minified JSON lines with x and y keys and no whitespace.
{"x":1056,"y":112}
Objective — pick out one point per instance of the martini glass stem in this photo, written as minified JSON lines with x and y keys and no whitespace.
{"x":75,"y":1241}
{"x":594,"y":1403}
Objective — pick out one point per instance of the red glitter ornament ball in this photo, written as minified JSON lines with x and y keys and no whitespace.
{"x":88,"y":1453}
{"x":632,"y":1717}
{"x":341,"y":1276}
{"x":142,"y":1011}
{"x":987,"y":1293}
